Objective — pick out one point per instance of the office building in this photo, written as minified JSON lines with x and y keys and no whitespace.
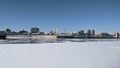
{"x":35,"y":30}
{"x":93,"y":32}
{"x":89,"y":33}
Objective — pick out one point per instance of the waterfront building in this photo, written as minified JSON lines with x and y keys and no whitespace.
{"x":23,"y":32}
{"x":105,"y":35}
{"x":81,"y":33}
{"x":88,"y":33}
{"x":41,"y":33}
{"x":2,"y":35}
{"x":116,"y":34}
{"x":13,"y":33}
{"x":35,"y":30}
{"x":52,"y":33}
{"x":8,"y":30}
{"x":65,"y":35}
{"x":93,"y":33}
{"x":2,"y":32}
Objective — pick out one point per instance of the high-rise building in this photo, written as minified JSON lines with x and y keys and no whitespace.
{"x":81,"y":33}
{"x":93,"y":32}
{"x":89,"y":32}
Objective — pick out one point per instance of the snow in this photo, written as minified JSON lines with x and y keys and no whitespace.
{"x":105,"y":54}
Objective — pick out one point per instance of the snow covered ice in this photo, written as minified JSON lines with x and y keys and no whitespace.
{"x":101,"y":54}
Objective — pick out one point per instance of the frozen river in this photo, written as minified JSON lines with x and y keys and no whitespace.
{"x":94,"y":54}
{"x":38,"y":41}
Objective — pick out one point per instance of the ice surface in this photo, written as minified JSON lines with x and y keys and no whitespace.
{"x":28,"y":41}
{"x":104,"y":54}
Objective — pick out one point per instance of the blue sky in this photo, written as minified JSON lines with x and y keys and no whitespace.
{"x":71,"y":15}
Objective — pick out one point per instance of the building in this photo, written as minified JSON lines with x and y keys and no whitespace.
{"x":116,"y":34}
{"x":81,"y":33}
{"x":8,"y":31}
{"x":93,"y":33}
{"x":35,"y":30}
{"x":23,"y":32}
{"x":50,"y":33}
{"x":13,"y":33}
{"x":89,"y":33}
{"x":2,"y":35}
{"x":41,"y":33}
{"x":105,"y":35}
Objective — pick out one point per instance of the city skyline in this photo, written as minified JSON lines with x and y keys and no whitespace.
{"x":38,"y":31}
{"x":71,"y":15}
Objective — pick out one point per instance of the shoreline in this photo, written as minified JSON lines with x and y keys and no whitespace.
{"x":42,"y":37}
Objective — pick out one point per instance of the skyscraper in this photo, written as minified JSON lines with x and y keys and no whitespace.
{"x":93,"y":32}
{"x":89,"y":33}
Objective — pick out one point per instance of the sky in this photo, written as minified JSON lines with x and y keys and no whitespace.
{"x":66,"y":15}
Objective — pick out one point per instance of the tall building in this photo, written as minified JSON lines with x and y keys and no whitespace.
{"x":89,"y":32}
{"x":81,"y":33}
{"x":35,"y":30}
{"x":93,"y":32}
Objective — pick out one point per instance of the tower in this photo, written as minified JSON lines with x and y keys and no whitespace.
{"x":93,"y":32}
